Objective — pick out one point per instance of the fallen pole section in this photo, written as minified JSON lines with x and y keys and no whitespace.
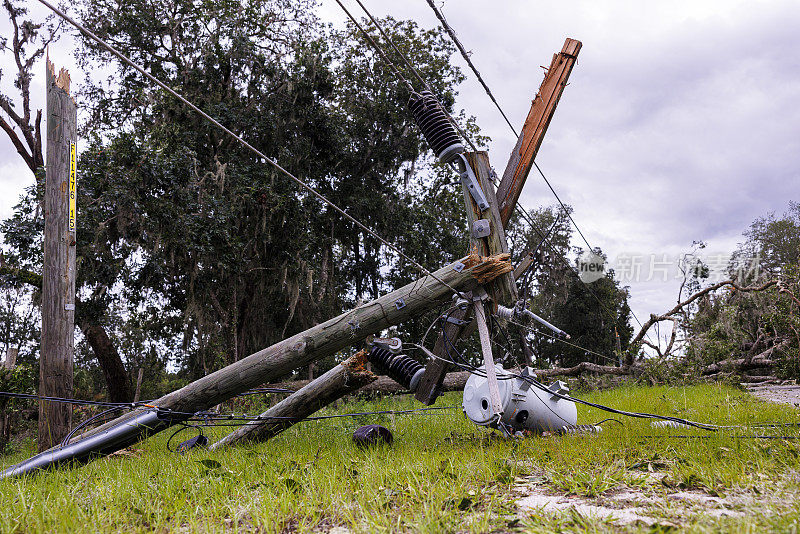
{"x":345,"y":378}
{"x":280,"y":359}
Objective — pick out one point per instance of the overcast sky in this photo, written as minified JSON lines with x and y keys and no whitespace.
{"x":680,"y":121}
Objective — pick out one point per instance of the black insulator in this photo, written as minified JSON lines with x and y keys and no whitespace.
{"x":435,"y":125}
{"x":399,"y":367}
{"x":372,"y":435}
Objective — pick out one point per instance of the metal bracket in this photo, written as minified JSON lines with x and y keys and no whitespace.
{"x":392,"y":344}
{"x":495,"y":402}
{"x":470,"y":181}
{"x":526,"y":372}
{"x":481,"y":228}
{"x":457,"y":322}
{"x":479,"y":294}
{"x":559,"y":388}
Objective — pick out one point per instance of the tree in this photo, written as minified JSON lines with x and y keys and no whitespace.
{"x":190,"y":239}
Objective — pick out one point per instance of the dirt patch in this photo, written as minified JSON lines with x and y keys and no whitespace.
{"x":538,"y":501}
{"x":780,"y":394}
{"x":632,"y":505}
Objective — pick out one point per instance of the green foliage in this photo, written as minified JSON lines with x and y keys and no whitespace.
{"x":20,"y":379}
{"x":592,"y":314}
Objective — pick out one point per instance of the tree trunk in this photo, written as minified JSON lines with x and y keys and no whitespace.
{"x":114,"y":373}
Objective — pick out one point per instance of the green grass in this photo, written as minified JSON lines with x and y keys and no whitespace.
{"x":442,"y":474}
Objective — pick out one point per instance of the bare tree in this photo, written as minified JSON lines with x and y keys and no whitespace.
{"x":27,"y":45}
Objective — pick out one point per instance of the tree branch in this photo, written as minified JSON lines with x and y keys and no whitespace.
{"x":654,"y":319}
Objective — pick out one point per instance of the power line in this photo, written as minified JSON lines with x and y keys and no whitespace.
{"x":375,"y":45}
{"x":474,"y":69}
{"x":247,"y":145}
{"x":406,"y":61}
{"x":466,"y":57}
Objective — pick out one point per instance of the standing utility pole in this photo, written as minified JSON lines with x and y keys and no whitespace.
{"x":58,"y":273}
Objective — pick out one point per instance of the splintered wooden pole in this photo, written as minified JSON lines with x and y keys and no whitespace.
{"x":58,"y":273}
{"x":502,"y":289}
{"x":539,"y":116}
{"x":345,"y":378}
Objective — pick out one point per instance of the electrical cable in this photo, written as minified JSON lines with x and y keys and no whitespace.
{"x":86,"y":422}
{"x":466,"y":57}
{"x":244,"y":143}
{"x":375,"y":45}
{"x":182,"y":427}
{"x":257,"y":419}
{"x":411,"y":67}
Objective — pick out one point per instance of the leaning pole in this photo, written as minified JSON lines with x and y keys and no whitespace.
{"x":272,"y":363}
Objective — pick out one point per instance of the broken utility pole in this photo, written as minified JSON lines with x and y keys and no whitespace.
{"x":539,"y":116}
{"x":279,"y":359}
{"x":58,"y":274}
{"x":503,"y":200}
{"x":345,"y":378}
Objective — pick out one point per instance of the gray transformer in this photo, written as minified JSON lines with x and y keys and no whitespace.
{"x":525,"y":407}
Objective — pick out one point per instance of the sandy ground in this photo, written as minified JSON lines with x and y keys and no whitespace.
{"x":781,"y":394}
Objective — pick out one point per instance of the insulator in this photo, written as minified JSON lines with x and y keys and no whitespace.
{"x":579,"y":429}
{"x":504,"y":313}
{"x":435,"y":125}
{"x":669,"y":424}
{"x":400,"y":368}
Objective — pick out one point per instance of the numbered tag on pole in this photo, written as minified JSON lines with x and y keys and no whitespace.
{"x":72,"y":186}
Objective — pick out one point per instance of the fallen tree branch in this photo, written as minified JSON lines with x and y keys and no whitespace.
{"x":743,"y":364}
{"x":668,"y":316}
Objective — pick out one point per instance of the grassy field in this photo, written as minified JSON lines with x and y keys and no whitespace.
{"x":442,"y":474}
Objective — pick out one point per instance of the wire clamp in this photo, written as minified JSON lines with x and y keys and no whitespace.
{"x":470,"y":181}
{"x":454,"y":320}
